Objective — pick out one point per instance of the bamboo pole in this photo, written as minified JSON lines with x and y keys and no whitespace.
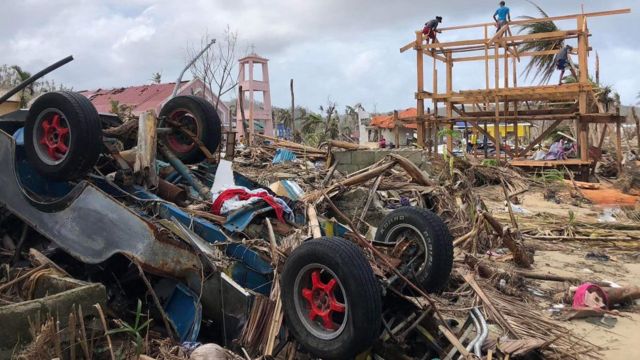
{"x":420,"y":100}
{"x":496,"y":124}
{"x":582,"y":128}
{"x":449,"y":104}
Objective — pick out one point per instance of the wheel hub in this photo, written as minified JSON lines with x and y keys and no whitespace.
{"x":178,"y":140}
{"x":322,"y":301}
{"x":54,"y":137}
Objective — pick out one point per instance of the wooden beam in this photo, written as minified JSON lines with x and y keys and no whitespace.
{"x":545,"y":19}
{"x":498,"y":34}
{"x":583,"y":129}
{"x":496,"y":121}
{"x":412,"y":44}
{"x":532,"y":112}
{"x":601,"y":118}
{"x":619,"y":147}
{"x":420,"y":83}
{"x":541,"y":137}
{"x":539,"y":36}
{"x":433,"y":54}
{"x":515,"y":117}
{"x":474,"y":125}
{"x":449,"y":105}
{"x":522,"y":54}
{"x":486,"y":58}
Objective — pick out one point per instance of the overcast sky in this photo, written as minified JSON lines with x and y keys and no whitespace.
{"x":343,"y":50}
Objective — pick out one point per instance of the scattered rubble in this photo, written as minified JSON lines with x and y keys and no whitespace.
{"x":147,"y":253}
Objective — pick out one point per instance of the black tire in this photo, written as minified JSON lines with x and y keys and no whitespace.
{"x":82,"y":139}
{"x":200,"y":118}
{"x":432,"y":274}
{"x":356,"y":288}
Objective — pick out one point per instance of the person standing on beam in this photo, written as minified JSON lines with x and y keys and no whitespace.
{"x":502,"y":16}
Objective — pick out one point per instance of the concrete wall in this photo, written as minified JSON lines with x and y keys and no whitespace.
{"x":351,"y":161}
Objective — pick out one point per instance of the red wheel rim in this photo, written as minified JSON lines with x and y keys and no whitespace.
{"x":178,"y":141}
{"x":320,"y":301}
{"x":51,"y":136}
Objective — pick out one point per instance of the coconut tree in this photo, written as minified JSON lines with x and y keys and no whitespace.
{"x":26,"y":93}
{"x":541,"y":66}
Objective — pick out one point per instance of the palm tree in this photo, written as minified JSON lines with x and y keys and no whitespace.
{"x":604,"y":93}
{"x":311,"y":123}
{"x":22,"y":76}
{"x":540,"y":66}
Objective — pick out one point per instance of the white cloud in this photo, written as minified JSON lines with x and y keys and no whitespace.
{"x":344,"y":49}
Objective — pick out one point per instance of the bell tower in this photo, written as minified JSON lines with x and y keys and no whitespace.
{"x":254,"y":80}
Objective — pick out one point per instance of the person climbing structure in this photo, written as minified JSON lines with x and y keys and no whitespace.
{"x":431,"y":28}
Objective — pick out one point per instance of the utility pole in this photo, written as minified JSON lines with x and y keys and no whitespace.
{"x":293,"y":108}
{"x":179,"y":80}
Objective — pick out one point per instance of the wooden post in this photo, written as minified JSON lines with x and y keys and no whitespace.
{"x":396,"y":128}
{"x":293,"y":112}
{"x":251,"y":108}
{"x":515,"y":110}
{"x":435,"y":104}
{"x":506,"y":85}
{"x":420,"y":100}
{"x":583,"y":128}
{"x":486,"y":57}
{"x":506,"y":66}
{"x":449,"y":104}
{"x":496,"y":124}
{"x":145,"y":164}
{"x":619,"y":146}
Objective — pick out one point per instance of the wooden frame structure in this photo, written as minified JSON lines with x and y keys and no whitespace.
{"x":508,"y":103}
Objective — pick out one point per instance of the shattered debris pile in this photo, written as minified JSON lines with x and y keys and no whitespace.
{"x":149,"y":245}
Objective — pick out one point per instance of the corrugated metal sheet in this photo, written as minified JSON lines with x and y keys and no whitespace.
{"x":142,"y":98}
{"x":386,"y":121}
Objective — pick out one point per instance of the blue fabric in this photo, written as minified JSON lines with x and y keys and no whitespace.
{"x":283,"y":155}
{"x":562,"y":64}
{"x":502,"y":13}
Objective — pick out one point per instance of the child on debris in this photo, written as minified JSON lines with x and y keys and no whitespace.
{"x":562,"y":62}
{"x":431,"y":28}
{"x":501,"y":16}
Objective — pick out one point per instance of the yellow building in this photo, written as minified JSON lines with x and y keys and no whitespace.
{"x":524,"y":130}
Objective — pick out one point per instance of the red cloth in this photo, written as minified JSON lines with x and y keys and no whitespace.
{"x":429,"y":32}
{"x":244,"y":195}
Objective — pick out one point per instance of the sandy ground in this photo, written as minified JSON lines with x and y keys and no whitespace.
{"x":623,"y":340}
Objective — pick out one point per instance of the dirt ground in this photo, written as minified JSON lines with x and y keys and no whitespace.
{"x":623,"y":268}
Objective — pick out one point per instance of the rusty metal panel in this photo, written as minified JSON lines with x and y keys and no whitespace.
{"x":92,"y":226}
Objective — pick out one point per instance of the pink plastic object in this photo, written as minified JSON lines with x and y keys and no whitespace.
{"x":583,"y":290}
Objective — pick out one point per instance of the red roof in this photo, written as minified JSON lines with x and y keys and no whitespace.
{"x":386,"y":121}
{"x":142,"y":98}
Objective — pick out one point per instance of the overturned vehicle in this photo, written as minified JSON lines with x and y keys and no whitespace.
{"x":212,"y":241}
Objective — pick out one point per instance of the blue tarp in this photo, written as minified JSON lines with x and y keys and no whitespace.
{"x":283,"y":155}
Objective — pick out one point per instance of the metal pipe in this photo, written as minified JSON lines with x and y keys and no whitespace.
{"x":476,"y":323}
{"x":181,"y":168}
{"x":171,"y":192}
{"x":179,"y":80}
{"x":485,"y":332}
{"x":35,"y":77}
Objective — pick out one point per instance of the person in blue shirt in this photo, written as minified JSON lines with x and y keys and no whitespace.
{"x":501,"y":16}
{"x":562,"y":62}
